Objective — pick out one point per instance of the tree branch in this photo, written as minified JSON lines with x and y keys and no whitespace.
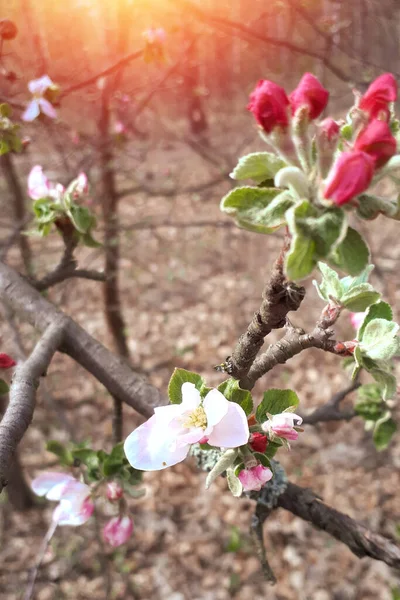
{"x":111,"y":371}
{"x":20,"y":409}
{"x":361,"y":541}
{"x":331,"y":410}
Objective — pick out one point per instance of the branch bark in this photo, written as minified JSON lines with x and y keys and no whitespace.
{"x":331,"y":410}
{"x":20,"y":409}
{"x":360,"y":540}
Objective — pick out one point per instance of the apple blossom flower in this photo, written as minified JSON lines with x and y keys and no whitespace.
{"x":75,"y":505}
{"x":309,"y":93}
{"x":254,"y":478}
{"x":282,"y":425}
{"x":154,"y":35}
{"x":268,"y":103}
{"x":350,"y":175}
{"x":38,"y":184}
{"x":377,"y":140}
{"x":330,"y":129}
{"x":114,"y":491}
{"x":356,"y":319}
{"x":165,"y":439}
{"x":118,"y":530}
{"x":6,"y":362}
{"x":119,"y":128}
{"x":38,"y":104}
{"x":258,"y":442}
{"x":380,"y":93}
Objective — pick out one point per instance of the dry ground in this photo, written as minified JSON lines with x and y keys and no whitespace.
{"x":188,"y":293}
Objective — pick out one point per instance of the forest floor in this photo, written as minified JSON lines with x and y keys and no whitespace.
{"x":188,"y":293}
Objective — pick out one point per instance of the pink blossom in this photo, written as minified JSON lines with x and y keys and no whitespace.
{"x":356,"y":319}
{"x":380,"y":93}
{"x":165,"y":439}
{"x":6,"y":362}
{"x":119,"y":128}
{"x":38,"y":104}
{"x":254,"y":478}
{"x":40,"y":187}
{"x":75,"y":505}
{"x":350,"y":175}
{"x":268,"y":103}
{"x":283,"y":425}
{"x":114,"y":491}
{"x":309,"y":93}
{"x":118,"y":530}
{"x":330,"y":129}
{"x":377,"y":140}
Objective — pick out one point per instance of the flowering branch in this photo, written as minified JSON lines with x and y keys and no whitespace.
{"x":305,"y":504}
{"x":20,"y":409}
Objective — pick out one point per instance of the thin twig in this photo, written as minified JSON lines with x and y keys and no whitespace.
{"x":331,"y":410}
{"x":42,"y":551}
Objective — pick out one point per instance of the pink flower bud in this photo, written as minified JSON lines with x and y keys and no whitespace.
{"x":330,"y":129}
{"x":377,"y":97}
{"x":377,"y":140}
{"x":258,"y":442}
{"x":350,"y":175}
{"x":356,"y":319}
{"x":114,"y":491}
{"x":283,"y":425}
{"x":6,"y":362}
{"x":254,"y":478}
{"x":268,"y":103}
{"x":309,"y":93}
{"x":118,"y":531}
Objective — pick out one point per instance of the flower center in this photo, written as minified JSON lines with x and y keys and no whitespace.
{"x":197,"y":418}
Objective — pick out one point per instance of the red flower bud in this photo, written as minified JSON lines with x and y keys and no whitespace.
{"x":377,"y":140}
{"x":258,"y":442}
{"x":6,"y":362}
{"x":377,"y":97}
{"x":350,"y":175}
{"x":114,"y":491}
{"x":330,"y":129}
{"x":268,"y":103}
{"x":309,"y":93}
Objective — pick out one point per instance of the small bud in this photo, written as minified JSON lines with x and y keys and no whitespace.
{"x":346,"y":348}
{"x":118,"y":531}
{"x":8,"y":29}
{"x":327,"y":138}
{"x":310,"y":94}
{"x":254,"y":478}
{"x":114,"y":491}
{"x":258,"y":442}
{"x":377,"y":140}
{"x":380,"y":93}
{"x":350,"y":175}
{"x":6,"y":362}
{"x":269,"y":105}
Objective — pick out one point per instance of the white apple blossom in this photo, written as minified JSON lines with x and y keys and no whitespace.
{"x":165,"y":439}
{"x":38,"y":104}
{"x":283,"y":425}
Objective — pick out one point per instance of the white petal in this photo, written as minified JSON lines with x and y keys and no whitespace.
{"x":31,"y":112}
{"x":215,"y":406}
{"x":39,"y":86}
{"x":190,"y":396}
{"x":38,"y":184}
{"x":47,"y":481}
{"x":191,"y":437}
{"x":68,"y":513}
{"x":233,"y":430}
{"x":47,"y":108}
{"x":150,"y":447}
{"x":165,"y":414}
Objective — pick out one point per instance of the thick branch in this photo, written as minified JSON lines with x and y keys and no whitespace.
{"x":279,"y":297}
{"x":20,"y":409}
{"x":360,"y":540}
{"x":113,"y":372}
{"x":60,"y":275}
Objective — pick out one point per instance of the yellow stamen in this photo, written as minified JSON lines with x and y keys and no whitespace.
{"x":197,"y":418}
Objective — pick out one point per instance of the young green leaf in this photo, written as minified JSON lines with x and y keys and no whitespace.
{"x":233,"y":392}
{"x":274,"y":402}
{"x":380,"y":310}
{"x":234,"y":483}
{"x":257,"y":166}
{"x":384,"y":430}
{"x":226,"y":461}
{"x":178,"y":378}
{"x":330,"y":286}
{"x":380,"y":341}
{"x":352,"y":254}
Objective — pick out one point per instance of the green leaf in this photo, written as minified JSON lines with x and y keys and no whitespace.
{"x":380,"y":310}
{"x":274,"y":402}
{"x":258,"y":166}
{"x":178,"y":378}
{"x":4,"y":147}
{"x":258,"y":209}
{"x":60,"y":450}
{"x":384,"y":430}
{"x":81,"y":217}
{"x":263,"y":459}
{"x":301,"y":258}
{"x":349,"y":282}
{"x":359,"y":297}
{"x":87,"y":457}
{"x":380,"y":341}
{"x":387,"y":380}
{"x":369,"y":402}
{"x":330,"y":285}
{"x":226,"y":461}
{"x":233,"y":392}
{"x":352,"y":254}
{"x":4,"y":388}
{"x":272,"y":448}
{"x":371,"y":206}
{"x":89,"y":241}
{"x":234,"y":483}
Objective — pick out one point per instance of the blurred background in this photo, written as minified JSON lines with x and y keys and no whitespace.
{"x":157,"y":136}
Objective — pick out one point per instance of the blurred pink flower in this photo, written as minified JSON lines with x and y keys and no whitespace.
{"x":6,"y":362}
{"x":283,"y":425}
{"x":356,"y":319}
{"x":254,"y":478}
{"x":118,"y":530}
{"x":75,"y":505}
{"x":165,"y":439}
{"x":38,"y":104}
{"x":114,"y":491}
